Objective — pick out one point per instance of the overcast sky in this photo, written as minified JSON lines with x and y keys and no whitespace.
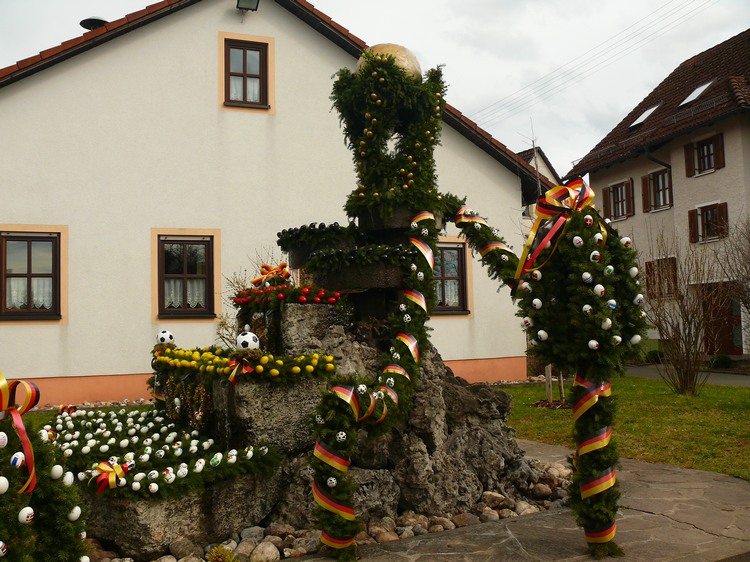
{"x":569,"y":69}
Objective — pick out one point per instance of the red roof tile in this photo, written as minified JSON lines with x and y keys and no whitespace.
{"x":726,"y":66}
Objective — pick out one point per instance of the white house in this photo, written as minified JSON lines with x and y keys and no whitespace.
{"x":141,"y":168}
{"x":678,"y":163}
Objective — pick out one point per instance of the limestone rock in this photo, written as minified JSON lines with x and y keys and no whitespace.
{"x":265,"y":552}
{"x":184,"y":547}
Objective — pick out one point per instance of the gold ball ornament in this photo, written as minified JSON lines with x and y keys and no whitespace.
{"x":403,"y":58}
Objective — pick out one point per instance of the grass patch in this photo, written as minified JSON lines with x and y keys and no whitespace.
{"x":708,"y":432}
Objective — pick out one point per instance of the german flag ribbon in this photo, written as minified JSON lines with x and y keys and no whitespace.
{"x":330,"y":457}
{"x":465,"y":216}
{"x":492,"y":246}
{"x":553,"y":210}
{"x":108,"y":475}
{"x":368,"y":411}
{"x":423,"y":216}
{"x":239,"y":367}
{"x":383,"y":414}
{"x":346,"y":393}
{"x":393,"y":369}
{"x":66,"y":409}
{"x":416,"y":297}
{"x":597,"y":484}
{"x":267,"y":272}
{"x":8,"y":406}
{"x":388,"y":391}
{"x":411,"y":342}
{"x":591,"y":397}
{"x":335,"y":542}
{"x":425,"y":250}
{"x":597,"y":440}
{"x":601,"y":536}
{"x":328,"y":502}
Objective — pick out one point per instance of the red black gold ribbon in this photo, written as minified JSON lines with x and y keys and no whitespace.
{"x":335,"y":542}
{"x":417,"y":298}
{"x":601,"y":536}
{"x":466,"y":215}
{"x":591,"y":397}
{"x":597,"y":440}
{"x":368,"y":411}
{"x":597,"y":484}
{"x":410,"y":342}
{"x":423,"y":216}
{"x":346,"y":393}
{"x":268,"y":272}
{"x":391,"y":393}
{"x":553,"y":208}
{"x":66,"y":408}
{"x":241,"y":366}
{"x":108,"y":475}
{"x":8,"y":406}
{"x":425,"y":250}
{"x":327,"y":501}
{"x":330,"y":457}
{"x":484,"y":250}
{"x":396,"y":370}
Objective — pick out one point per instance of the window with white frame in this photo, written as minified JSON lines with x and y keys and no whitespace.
{"x":656,"y":189}
{"x":708,"y":222}
{"x":705,"y":155}
{"x":617,"y":200}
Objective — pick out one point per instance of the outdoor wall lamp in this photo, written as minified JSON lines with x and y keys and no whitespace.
{"x":246,"y":5}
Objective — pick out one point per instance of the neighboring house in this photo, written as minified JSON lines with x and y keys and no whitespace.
{"x":680,"y":162}
{"x":149,"y":159}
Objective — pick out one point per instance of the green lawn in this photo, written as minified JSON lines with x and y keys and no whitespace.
{"x":708,"y":432}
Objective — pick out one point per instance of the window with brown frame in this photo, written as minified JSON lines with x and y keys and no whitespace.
{"x":656,"y":190}
{"x":186,"y":277}
{"x":704,"y":155}
{"x":710,"y":222}
{"x":245,"y":74}
{"x":30,"y":275}
{"x":661,"y":278}
{"x":617,"y":201}
{"x":450,"y":279}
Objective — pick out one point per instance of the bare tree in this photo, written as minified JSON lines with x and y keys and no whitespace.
{"x":688,"y":299}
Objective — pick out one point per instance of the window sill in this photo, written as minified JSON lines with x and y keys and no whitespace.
{"x":704,"y":173}
{"x":660,"y":209}
{"x":618,"y":219}
{"x":37,"y":317}
{"x":247,"y":105}
{"x":439,"y":312}
{"x":187,"y":315}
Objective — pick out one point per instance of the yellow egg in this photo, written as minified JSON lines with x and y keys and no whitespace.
{"x":295,"y":370}
{"x":259,"y":369}
{"x":263,"y":360}
{"x":274,"y":372}
{"x":309,"y":368}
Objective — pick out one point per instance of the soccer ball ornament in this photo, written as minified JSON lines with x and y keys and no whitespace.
{"x":332,"y":482}
{"x":341,"y":436}
{"x":165,"y":336}
{"x":247,"y":340}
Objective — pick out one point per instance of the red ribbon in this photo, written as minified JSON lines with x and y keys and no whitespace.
{"x":8,"y":406}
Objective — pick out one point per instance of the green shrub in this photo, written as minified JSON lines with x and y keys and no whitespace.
{"x":654,"y":356}
{"x":221,"y":554}
{"x":720,"y":361}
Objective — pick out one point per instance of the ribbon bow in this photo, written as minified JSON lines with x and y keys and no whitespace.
{"x":108,"y":475}
{"x":238,"y":367}
{"x":8,"y":406}
{"x":554,"y":209}
{"x":268,"y":272}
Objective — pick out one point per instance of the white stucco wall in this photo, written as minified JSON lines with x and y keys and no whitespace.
{"x":130,"y":137}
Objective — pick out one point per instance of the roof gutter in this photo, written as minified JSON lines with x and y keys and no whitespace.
{"x":654,"y":159}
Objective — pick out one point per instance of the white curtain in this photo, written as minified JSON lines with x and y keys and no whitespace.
{"x":41,"y":293}
{"x":16,"y":296}
{"x":451,"y":293}
{"x":196,"y":289}
{"x":173,"y":293}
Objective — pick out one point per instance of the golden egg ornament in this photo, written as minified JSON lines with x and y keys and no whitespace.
{"x":402,"y":58}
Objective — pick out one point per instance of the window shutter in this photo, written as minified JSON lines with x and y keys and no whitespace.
{"x":723,"y":213}
{"x":718,"y":141}
{"x":670,"y":194}
{"x":672,"y":276}
{"x":645,"y":194}
{"x":605,"y":203}
{"x":629,"y":199}
{"x":689,"y":160}
{"x":651,"y":290}
{"x":693,"y":225}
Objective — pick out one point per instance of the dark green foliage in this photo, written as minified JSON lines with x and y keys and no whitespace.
{"x":721,"y":362}
{"x":588,"y":334}
{"x":51,"y":536}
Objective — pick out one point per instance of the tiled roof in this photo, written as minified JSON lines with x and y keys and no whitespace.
{"x":726,"y":66}
{"x":528,"y":156}
{"x":303,"y":10}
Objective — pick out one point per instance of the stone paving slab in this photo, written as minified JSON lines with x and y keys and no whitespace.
{"x":667,"y":514}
